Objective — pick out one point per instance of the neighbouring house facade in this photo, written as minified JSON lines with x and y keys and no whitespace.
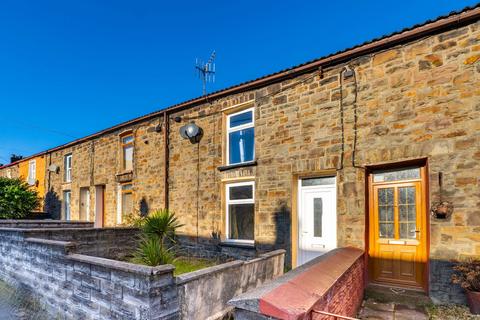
{"x":31,"y":170}
{"x":375,"y":147}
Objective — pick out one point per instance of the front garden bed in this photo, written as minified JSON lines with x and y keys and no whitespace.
{"x":77,"y":273}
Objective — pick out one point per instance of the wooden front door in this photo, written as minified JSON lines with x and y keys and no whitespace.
{"x":398,"y":228}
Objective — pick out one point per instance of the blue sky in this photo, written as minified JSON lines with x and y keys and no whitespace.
{"x":71,"y":68}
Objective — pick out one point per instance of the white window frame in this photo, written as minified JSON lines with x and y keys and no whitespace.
{"x":32,"y":173}
{"x":238,"y":128}
{"x":228,"y":202}
{"x":68,"y":169}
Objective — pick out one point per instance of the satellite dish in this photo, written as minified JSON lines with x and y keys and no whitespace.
{"x":192,"y":132}
{"x":53,"y":168}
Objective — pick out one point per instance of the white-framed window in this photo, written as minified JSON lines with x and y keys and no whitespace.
{"x":68,"y":168}
{"x":9,"y":173}
{"x":125,"y":202}
{"x":240,"y":137}
{"x":240,"y":212}
{"x":127,"y":152}
{"x":32,"y":172}
{"x":67,"y":197}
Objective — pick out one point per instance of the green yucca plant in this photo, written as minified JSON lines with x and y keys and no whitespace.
{"x":162,"y":225}
{"x":156,"y":245}
{"x":151,"y":253}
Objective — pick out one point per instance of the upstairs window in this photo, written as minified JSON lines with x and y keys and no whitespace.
{"x":67,"y":162}
{"x":127,"y":152}
{"x":240,"y":212}
{"x":240,"y":137}
{"x":32,"y":172}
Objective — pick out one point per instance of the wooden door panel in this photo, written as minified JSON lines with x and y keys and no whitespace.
{"x":397,"y":233}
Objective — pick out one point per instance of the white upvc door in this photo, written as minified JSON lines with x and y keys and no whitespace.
{"x":317,"y":218}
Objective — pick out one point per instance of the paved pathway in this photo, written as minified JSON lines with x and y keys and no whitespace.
{"x":372,"y":310}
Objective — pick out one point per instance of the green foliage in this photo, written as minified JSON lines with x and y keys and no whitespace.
{"x":158,"y":239}
{"x":184,"y":264}
{"x":17,"y":199}
{"x":161,"y":225}
{"x":151,"y":253}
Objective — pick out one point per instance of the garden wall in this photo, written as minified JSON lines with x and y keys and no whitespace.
{"x":211,"y":248}
{"x":44,"y":224}
{"x":75,"y":286}
{"x":112,"y":243}
{"x":333,"y":282}
{"x":51,"y":264}
{"x":205,"y":293}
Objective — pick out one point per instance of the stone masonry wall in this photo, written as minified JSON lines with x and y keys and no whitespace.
{"x":111,"y":243}
{"x":75,"y":286}
{"x":204,"y":293}
{"x":98,"y":162}
{"x":416,"y":100}
{"x":72,"y":284}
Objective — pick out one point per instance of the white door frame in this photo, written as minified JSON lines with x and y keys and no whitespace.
{"x":328,"y":241}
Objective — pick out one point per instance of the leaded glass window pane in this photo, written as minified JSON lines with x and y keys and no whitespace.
{"x":407,"y":212}
{"x":394,"y":175}
{"x":386,"y":212}
{"x":323,"y":181}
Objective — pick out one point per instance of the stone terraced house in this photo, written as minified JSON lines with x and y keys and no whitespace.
{"x":376,"y":147}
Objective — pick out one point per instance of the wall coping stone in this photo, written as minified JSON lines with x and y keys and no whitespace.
{"x":49,"y":221}
{"x":122,"y":265}
{"x":65,"y":244}
{"x":194,"y":275}
{"x":251,"y":300}
{"x":41,"y":229}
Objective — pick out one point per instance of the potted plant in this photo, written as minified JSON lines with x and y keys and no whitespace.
{"x":467,"y":275}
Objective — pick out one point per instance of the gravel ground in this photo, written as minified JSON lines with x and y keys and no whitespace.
{"x":18,"y":305}
{"x":450,"y":312}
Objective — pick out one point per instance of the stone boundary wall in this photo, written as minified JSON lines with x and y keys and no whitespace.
{"x":112,"y":243}
{"x":75,"y":286}
{"x":10,"y":223}
{"x":333,"y":282}
{"x":211,"y":248}
{"x":204,"y":294}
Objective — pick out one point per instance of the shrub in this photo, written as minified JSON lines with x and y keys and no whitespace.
{"x":467,"y":275}
{"x":17,"y":199}
{"x":162,"y":225}
{"x":151,"y":253}
{"x":158,"y":238}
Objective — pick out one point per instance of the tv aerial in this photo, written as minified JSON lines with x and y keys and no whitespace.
{"x":206,"y":71}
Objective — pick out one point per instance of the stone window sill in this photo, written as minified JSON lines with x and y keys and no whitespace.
{"x":238,"y":165}
{"x":227,"y":243}
{"x":125,"y":176}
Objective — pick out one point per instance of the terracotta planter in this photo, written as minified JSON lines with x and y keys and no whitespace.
{"x":473,"y":299}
